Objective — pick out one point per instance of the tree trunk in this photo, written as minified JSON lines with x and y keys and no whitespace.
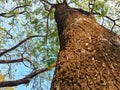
{"x":89,"y":56}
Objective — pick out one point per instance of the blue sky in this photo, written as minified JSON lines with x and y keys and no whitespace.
{"x":21,"y":71}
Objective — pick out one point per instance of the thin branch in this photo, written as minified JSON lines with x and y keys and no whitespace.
{"x":4,"y":14}
{"x":20,"y":7}
{"x":24,"y":80}
{"x":14,"y":14}
{"x":114,"y":21}
{"x":30,"y":64}
{"x":47,"y":2}
{"x":14,"y":47}
{"x":52,"y":5}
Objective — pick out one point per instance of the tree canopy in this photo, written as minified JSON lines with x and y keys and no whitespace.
{"x":29,"y":41}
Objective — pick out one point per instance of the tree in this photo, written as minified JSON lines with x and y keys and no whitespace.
{"x":89,"y":53}
{"x":88,"y":57}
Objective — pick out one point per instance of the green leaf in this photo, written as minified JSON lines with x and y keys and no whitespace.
{"x":27,"y":2}
{"x":101,"y":7}
{"x":11,"y":12}
{"x":50,"y":63}
{"x":35,"y":21}
{"x":104,"y":12}
{"x":52,"y":16}
{"x":2,"y":28}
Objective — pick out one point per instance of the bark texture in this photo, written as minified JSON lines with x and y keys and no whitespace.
{"x":89,"y":56}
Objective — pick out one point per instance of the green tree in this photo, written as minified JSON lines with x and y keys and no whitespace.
{"x":29,"y":43}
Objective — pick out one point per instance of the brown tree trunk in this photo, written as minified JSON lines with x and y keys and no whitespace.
{"x":89,"y":56}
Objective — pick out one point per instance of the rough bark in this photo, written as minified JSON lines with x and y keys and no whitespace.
{"x":89,"y":56}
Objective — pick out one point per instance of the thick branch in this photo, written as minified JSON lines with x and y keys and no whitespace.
{"x":14,"y":47}
{"x":65,"y":2}
{"x":24,"y":80}
{"x":11,"y":61}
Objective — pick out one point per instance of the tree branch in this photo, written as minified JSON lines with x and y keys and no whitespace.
{"x":114,"y":21}
{"x":24,"y":80}
{"x":3,"y":14}
{"x":11,"y":61}
{"x":14,"y":47}
{"x":20,"y":7}
{"x":65,"y":2}
{"x":13,"y":14}
{"x":47,"y":2}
